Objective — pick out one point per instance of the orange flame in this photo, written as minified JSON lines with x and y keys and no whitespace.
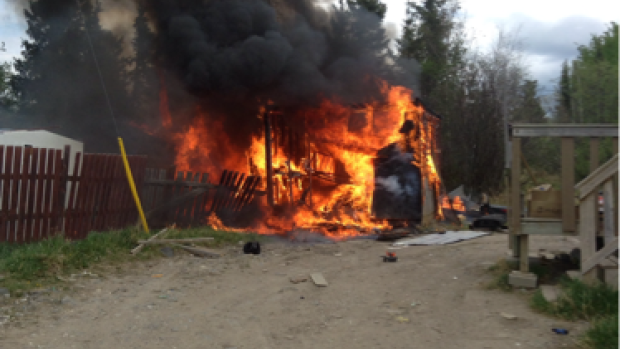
{"x":339,"y":212}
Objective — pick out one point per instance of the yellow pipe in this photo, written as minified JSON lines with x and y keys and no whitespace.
{"x":132,"y":185}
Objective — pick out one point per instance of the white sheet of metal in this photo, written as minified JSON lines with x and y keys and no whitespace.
{"x":448,"y":237}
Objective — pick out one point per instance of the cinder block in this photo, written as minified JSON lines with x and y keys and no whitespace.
{"x":519,"y":279}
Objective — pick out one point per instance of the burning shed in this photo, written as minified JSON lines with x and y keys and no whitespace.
{"x":309,"y":102}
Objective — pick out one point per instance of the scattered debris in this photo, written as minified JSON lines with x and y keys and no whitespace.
{"x":390,"y":257}
{"x":318,"y":279}
{"x":5,"y":292}
{"x":141,"y":245}
{"x":402,"y":319}
{"x":200,"y":252}
{"x":300,"y":279}
{"x":414,"y":304}
{"x":441,"y":239}
{"x":338,"y":254}
{"x":174,"y":241}
{"x":560,"y":331}
{"x":508,"y":316}
{"x":157,"y":275}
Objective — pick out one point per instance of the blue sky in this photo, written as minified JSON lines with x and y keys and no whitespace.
{"x":550,"y":29}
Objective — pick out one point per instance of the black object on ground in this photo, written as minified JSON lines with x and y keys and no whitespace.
{"x":251,"y":248}
{"x":491,"y":221}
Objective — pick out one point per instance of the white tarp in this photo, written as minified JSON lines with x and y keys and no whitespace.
{"x":448,"y":237}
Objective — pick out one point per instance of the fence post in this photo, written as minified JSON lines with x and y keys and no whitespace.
{"x":62,"y":190}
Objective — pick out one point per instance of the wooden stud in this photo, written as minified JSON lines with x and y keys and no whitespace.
{"x":609,"y":211}
{"x":5,"y":176}
{"x":515,"y":197}
{"x":268,"y":160}
{"x":4,"y":194}
{"x":46,"y":230}
{"x":15,"y":195}
{"x":568,"y":184}
{"x":524,"y":258}
{"x":615,"y":185}
{"x":595,"y":145}
{"x":587,"y":228}
{"x":32,"y":192}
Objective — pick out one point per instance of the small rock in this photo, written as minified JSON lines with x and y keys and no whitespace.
{"x":338,"y":254}
{"x":574,"y":274}
{"x":318,"y":279}
{"x":508,"y":316}
{"x":168,"y":252}
{"x":550,"y":293}
{"x":5,"y":292}
{"x":67,"y":300}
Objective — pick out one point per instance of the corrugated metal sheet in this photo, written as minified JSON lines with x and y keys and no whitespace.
{"x":448,"y":237}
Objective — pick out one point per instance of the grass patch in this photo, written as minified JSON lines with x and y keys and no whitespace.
{"x":579,"y":301}
{"x":603,"y":334}
{"x":38,"y":264}
{"x":597,"y":303}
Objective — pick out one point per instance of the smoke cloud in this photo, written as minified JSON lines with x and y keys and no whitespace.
{"x":238,"y":49}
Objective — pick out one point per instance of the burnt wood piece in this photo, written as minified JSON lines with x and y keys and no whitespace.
{"x":201,"y":201}
{"x":249,"y":194}
{"x":218,"y":192}
{"x":268,"y":160}
{"x":232,"y":191}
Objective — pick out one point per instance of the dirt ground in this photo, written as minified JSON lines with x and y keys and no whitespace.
{"x":433,"y":297}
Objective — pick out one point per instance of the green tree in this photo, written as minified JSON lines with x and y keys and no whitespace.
{"x":427,"y":34}
{"x":529,"y":109}
{"x":143,"y":78}
{"x":374,"y":6}
{"x":8,"y":100}
{"x":57,"y":80}
{"x":564,"y":109}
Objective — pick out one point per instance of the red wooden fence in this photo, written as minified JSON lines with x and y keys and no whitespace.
{"x":39,"y":198}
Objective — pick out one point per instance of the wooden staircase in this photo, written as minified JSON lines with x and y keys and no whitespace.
{"x":593,"y":261}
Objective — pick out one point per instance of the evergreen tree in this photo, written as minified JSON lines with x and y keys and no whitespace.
{"x":529,"y":109}
{"x":144,"y":78}
{"x":374,"y":6}
{"x":564,"y":111}
{"x":58,"y":82}
{"x":427,"y":37}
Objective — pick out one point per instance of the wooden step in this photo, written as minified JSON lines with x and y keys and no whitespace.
{"x":543,"y":226}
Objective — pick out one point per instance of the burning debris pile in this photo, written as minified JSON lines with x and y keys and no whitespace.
{"x":309,"y":101}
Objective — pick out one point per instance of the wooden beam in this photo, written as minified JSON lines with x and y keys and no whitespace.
{"x":609,"y":211}
{"x":588,"y":264}
{"x":587,"y":228}
{"x":595,"y":145}
{"x":141,"y":245}
{"x":268,"y":161}
{"x":596,"y":178}
{"x":174,"y":241}
{"x":616,"y":150}
{"x":515,"y":198}
{"x":564,"y":130}
{"x":524,"y":258}
{"x":568,"y":184}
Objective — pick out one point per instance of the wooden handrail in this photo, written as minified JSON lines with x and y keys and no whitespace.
{"x":597,"y":178}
